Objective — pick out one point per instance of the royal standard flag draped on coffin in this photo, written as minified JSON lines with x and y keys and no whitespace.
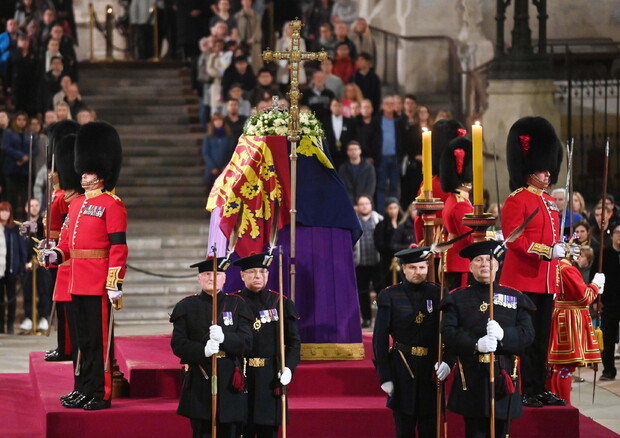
{"x":254,"y":190}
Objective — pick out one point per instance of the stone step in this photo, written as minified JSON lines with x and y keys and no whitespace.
{"x":131,"y":151}
{"x":165,"y":202}
{"x":163,"y":170}
{"x":188,"y":160}
{"x":172,"y":226}
{"x":105,"y":110}
{"x":174,"y":89}
{"x":141,"y":254}
{"x":142,"y":139}
{"x":121,"y":69}
{"x":146,"y":129}
{"x":123,"y":100}
{"x":155,"y":181}
{"x":171,"y":212}
{"x":140,"y":191}
{"x":93,"y":82}
{"x":177,"y":119}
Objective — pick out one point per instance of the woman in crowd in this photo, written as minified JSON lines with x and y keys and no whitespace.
{"x":384,"y":232}
{"x":217,"y":149}
{"x":579,"y":205}
{"x":284,"y":44}
{"x":424,"y":117}
{"x":404,"y":235}
{"x":14,"y":263}
{"x":352,"y":93}
{"x":583,"y":235}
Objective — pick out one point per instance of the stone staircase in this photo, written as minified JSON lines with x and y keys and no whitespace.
{"x":155,"y":113}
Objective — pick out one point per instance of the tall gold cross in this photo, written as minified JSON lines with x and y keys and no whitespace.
{"x":294,"y":56}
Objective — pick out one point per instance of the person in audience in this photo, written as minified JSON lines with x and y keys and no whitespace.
{"x":579,"y":205}
{"x":202,"y":80}
{"x":217,"y":148}
{"x":25,"y":12}
{"x":318,"y":16}
{"x":50,"y":84}
{"x":13,"y":264}
{"x":65,"y":82}
{"x":404,"y":235}
{"x":192,"y":17}
{"x":317,"y":97}
{"x":284,"y":44}
{"x":67,"y":50}
{"x":411,"y":173}
{"x":240,"y":72}
{"x":341,"y":32}
{"x":388,"y":167}
{"x":8,"y":43}
{"x":74,"y":100}
{"x":142,"y":27}
{"x":443,"y":114}
{"x":85,"y":116}
{"x":369,"y":132}
{"x":356,"y":173}
{"x":339,"y":131}
{"x":250,"y":32}
{"x":332,"y":82}
{"x":559,"y":194}
{"x":362,"y":37}
{"x":47,"y":21}
{"x":366,"y":257}
{"x":368,"y":81}
{"x":24,"y":77}
{"x":53,"y":50}
{"x":327,"y":40}
{"x":223,"y":15}
{"x":355,"y":109}
{"x":235,"y":92}
{"x":352,"y":93}
{"x":62,"y":111}
{"x":234,"y":120}
{"x":384,"y":233}
{"x":608,"y":226}
{"x":345,"y":11}
{"x":343,"y":63}
{"x":264,"y":84}
{"x":583,"y":235}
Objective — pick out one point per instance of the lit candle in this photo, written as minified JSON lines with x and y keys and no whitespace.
{"x":427,"y":161}
{"x":476,"y":135}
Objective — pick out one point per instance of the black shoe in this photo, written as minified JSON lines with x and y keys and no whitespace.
{"x":606,"y":378}
{"x":550,"y":399}
{"x":531,"y":402}
{"x":366,"y":323}
{"x":77,"y":402}
{"x":56,"y":356}
{"x":97,"y":404}
{"x":70,"y":396}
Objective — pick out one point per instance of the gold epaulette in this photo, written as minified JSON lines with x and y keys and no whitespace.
{"x":520,"y":189}
{"x":113,"y":195}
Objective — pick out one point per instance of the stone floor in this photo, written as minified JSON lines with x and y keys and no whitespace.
{"x":605,"y":409}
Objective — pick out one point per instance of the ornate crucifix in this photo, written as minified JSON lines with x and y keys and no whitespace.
{"x":294,"y":55}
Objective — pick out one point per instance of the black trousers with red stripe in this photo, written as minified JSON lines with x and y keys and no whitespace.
{"x":71,"y":328}
{"x":92,"y":313}
{"x":63,"y":333}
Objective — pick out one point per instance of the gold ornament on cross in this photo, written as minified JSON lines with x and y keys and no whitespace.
{"x":294,"y":56}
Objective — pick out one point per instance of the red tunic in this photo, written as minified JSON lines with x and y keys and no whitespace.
{"x":572,"y":340}
{"x":527,"y":266}
{"x":437,"y":193}
{"x":456,"y":206}
{"x":60,"y":208}
{"x":96,"y":243}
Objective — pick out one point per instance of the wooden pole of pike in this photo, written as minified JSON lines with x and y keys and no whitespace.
{"x":214,"y":356}
{"x":282,"y":344}
{"x":491,"y":360}
{"x":439,"y":406}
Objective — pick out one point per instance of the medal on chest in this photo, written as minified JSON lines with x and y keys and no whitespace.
{"x":484,"y":306}
{"x":419,"y":318}
{"x":227,"y":317}
{"x":429,"y":306}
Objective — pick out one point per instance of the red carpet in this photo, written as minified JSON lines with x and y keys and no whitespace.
{"x":327,"y":399}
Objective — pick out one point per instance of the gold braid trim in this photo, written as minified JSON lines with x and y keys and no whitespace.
{"x":332,"y":351}
{"x":541,"y":250}
{"x":112,"y":281}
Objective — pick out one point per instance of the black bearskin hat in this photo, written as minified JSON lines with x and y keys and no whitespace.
{"x":65,"y":156}
{"x":443,"y":132}
{"x":55,"y":133}
{"x":456,"y":164}
{"x":532,"y":146}
{"x":98,"y":150}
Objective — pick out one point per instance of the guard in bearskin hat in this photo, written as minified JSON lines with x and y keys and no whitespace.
{"x":456,"y":177}
{"x":534,"y":155}
{"x":444,"y":131}
{"x":468,"y":333}
{"x":195,"y":340}
{"x":97,"y":250}
{"x":263,"y":372}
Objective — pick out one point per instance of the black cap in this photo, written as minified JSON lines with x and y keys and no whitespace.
{"x":262,"y":260}
{"x":484,"y":247}
{"x":207,"y":265}
{"x":414,"y":255}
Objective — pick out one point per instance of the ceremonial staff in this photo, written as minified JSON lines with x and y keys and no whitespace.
{"x":214,"y":356}
{"x":282,"y":345}
{"x":294,"y":55}
{"x":491,"y":357}
{"x":600,"y":255}
{"x":48,"y":224}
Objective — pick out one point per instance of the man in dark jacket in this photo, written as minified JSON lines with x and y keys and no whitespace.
{"x":229,"y":338}
{"x":409,"y":313}
{"x":470,"y":335}
{"x":357,"y":174}
{"x":339,"y":131}
{"x":264,"y":376}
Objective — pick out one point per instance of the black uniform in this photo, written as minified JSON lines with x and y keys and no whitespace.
{"x":263,"y":364}
{"x":192,"y":318}
{"x":464,"y":322}
{"x":409,"y":313}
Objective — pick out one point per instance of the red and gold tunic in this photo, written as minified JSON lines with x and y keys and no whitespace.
{"x":572,"y":340}
{"x":457,"y":205}
{"x":528,"y":266}
{"x":96,"y":243}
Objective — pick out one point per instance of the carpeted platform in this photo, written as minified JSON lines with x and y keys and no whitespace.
{"x":327,"y":399}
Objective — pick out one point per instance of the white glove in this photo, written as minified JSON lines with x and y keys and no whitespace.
{"x":211,"y":348}
{"x":575,"y":250}
{"x":216,"y":333}
{"x":388,"y":387}
{"x":487,"y":344}
{"x":286,"y":376}
{"x":599,"y":280}
{"x":46,"y":244}
{"x":558,"y":251}
{"x":495,"y":330}
{"x":114,"y":295}
{"x":28,"y":227}
{"x":442,"y":370}
{"x":47,"y":255}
